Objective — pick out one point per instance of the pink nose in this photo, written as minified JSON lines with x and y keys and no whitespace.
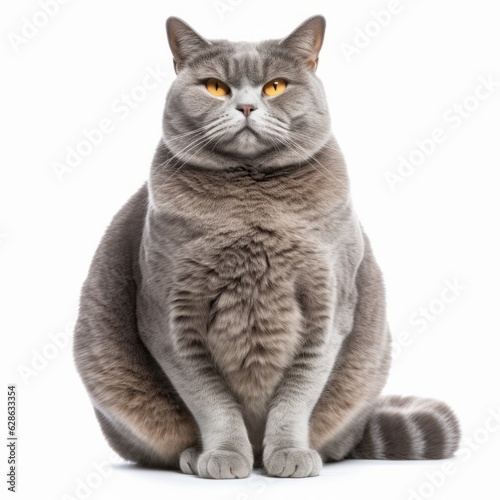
{"x":246,"y":109}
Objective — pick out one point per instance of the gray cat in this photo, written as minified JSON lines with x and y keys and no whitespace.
{"x":234,"y":315}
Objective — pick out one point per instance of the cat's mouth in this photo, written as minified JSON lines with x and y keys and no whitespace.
{"x":246,"y":140}
{"x":247,"y":129}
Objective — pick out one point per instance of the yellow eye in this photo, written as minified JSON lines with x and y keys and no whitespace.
{"x":216,"y":87}
{"x":274,"y":87}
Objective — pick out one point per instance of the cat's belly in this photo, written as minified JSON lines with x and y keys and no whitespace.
{"x":253,"y":340}
{"x":255,"y":322}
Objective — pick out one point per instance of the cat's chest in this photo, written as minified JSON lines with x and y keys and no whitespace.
{"x":249,"y":236}
{"x":249,"y":251}
{"x":256,"y":319}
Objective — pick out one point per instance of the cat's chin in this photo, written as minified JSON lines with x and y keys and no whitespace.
{"x":246,"y":144}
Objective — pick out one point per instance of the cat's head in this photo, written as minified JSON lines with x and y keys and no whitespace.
{"x":246,"y":102}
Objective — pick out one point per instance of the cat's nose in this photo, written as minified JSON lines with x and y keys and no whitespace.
{"x":246,"y":109}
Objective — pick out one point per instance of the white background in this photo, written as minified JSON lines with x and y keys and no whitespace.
{"x":439,"y":224}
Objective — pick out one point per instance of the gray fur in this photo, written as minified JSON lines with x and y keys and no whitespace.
{"x":234,"y":315}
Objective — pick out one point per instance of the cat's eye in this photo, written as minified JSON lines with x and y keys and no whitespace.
{"x":274,"y":87}
{"x":216,"y":87}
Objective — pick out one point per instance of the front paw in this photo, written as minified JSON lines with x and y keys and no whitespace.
{"x":188,"y":460}
{"x":221,"y":464}
{"x":293,"y":462}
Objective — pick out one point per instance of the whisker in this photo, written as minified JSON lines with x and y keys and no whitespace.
{"x":201,"y":143}
{"x":187,"y":148}
{"x":198,"y":130}
{"x":326,"y":173}
{"x":281,"y":126}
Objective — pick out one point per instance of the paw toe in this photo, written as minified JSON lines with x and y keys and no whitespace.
{"x":188,"y":461}
{"x":294,"y":462}
{"x":224,"y":465}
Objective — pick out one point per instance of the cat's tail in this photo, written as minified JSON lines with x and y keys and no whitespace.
{"x":409,"y":428}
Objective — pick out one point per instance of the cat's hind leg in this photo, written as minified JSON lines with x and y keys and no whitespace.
{"x":139,"y":411}
{"x":351,"y":420}
{"x":339,"y":418}
{"x":148,"y":427}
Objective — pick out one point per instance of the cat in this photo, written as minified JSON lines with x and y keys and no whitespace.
{"x":234,"y":315}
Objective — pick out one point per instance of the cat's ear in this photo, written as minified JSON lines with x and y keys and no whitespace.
{"x":183,"y":41}
{"x":306,"y":40}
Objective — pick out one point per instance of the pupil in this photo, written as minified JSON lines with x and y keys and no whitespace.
{"x":275,"y":85}
{"x":217,"y":86}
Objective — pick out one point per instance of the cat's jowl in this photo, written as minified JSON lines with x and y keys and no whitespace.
{"x":234,"y":315}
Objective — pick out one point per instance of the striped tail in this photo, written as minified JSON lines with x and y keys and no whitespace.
{"x":409,"y":428}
